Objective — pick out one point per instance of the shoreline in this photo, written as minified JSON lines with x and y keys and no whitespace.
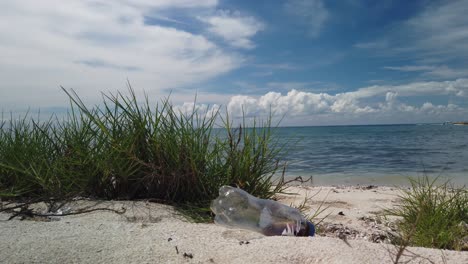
{"x":381,"y":180}
{"x":150,"y":232}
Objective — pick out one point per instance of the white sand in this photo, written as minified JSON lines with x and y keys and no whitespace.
{"x":150,"y":233}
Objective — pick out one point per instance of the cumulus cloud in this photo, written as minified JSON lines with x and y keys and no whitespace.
{"x":311,"y":13}
{"x":377,"y":101}
{"x":94,"y":45}
{"x":234,"y":28}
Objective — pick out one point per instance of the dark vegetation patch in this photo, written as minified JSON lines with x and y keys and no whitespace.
{"x":127,"y":149}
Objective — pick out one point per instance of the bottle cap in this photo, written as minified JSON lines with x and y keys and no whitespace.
{"x":311,"y":228}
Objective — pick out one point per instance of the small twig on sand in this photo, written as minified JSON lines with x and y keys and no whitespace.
{"x":122,"y":211}
{"x":25,"y":211}
{"x":300,"y":180}
{"x":343,"y":237}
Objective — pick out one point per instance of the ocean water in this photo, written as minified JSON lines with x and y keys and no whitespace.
{"x":377,"y":154}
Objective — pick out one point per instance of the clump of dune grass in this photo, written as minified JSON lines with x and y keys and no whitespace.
{"x":432,"y":215}
{"x":127,"y":149}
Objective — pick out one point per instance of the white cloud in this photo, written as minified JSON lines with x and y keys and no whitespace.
{"x":95,"y":45}
{"x":311,"y":12}
{"x":262,"y":73}
{"x":442,"y":28}
{"x":447,"y":72}
{"x":251,"y":88}
{"x":375,"y":102}
{"x":457,"y":87}
{"x":437,"y":34}
{"x":171,"y":3}
{"x":379,"y":44}
{"x":242,"y":104}
{"x":202,"y":110}
{"x":234,"y":28}
{"x":390,"y":97}
{"x":307,"y":86}
{"x":277,"y":66}
{"x":442,"y":71}
{"x":288,"y":85}
{"x":271,"y":68}
{"x":410,"y":68}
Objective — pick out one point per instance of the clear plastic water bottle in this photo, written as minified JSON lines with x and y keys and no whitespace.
{"x":238,"y":209}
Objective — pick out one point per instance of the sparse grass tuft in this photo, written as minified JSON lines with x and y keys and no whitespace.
{"x":432,"y":215}
{"x":318,"y":216}
{"x":125,"y":149}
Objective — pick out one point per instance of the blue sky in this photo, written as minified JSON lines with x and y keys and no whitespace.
{"x":316,"y":62}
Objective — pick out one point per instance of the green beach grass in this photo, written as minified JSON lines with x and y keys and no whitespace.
{"x":125,"y":149}
{"x":432,"y":214}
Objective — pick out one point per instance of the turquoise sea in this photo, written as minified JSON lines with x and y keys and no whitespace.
{"x":376,"y":154}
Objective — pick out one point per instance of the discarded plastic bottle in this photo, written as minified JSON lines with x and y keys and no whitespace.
{"x":238,"y":209}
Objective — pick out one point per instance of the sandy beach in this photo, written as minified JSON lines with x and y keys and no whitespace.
{"x":353,"y":232}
